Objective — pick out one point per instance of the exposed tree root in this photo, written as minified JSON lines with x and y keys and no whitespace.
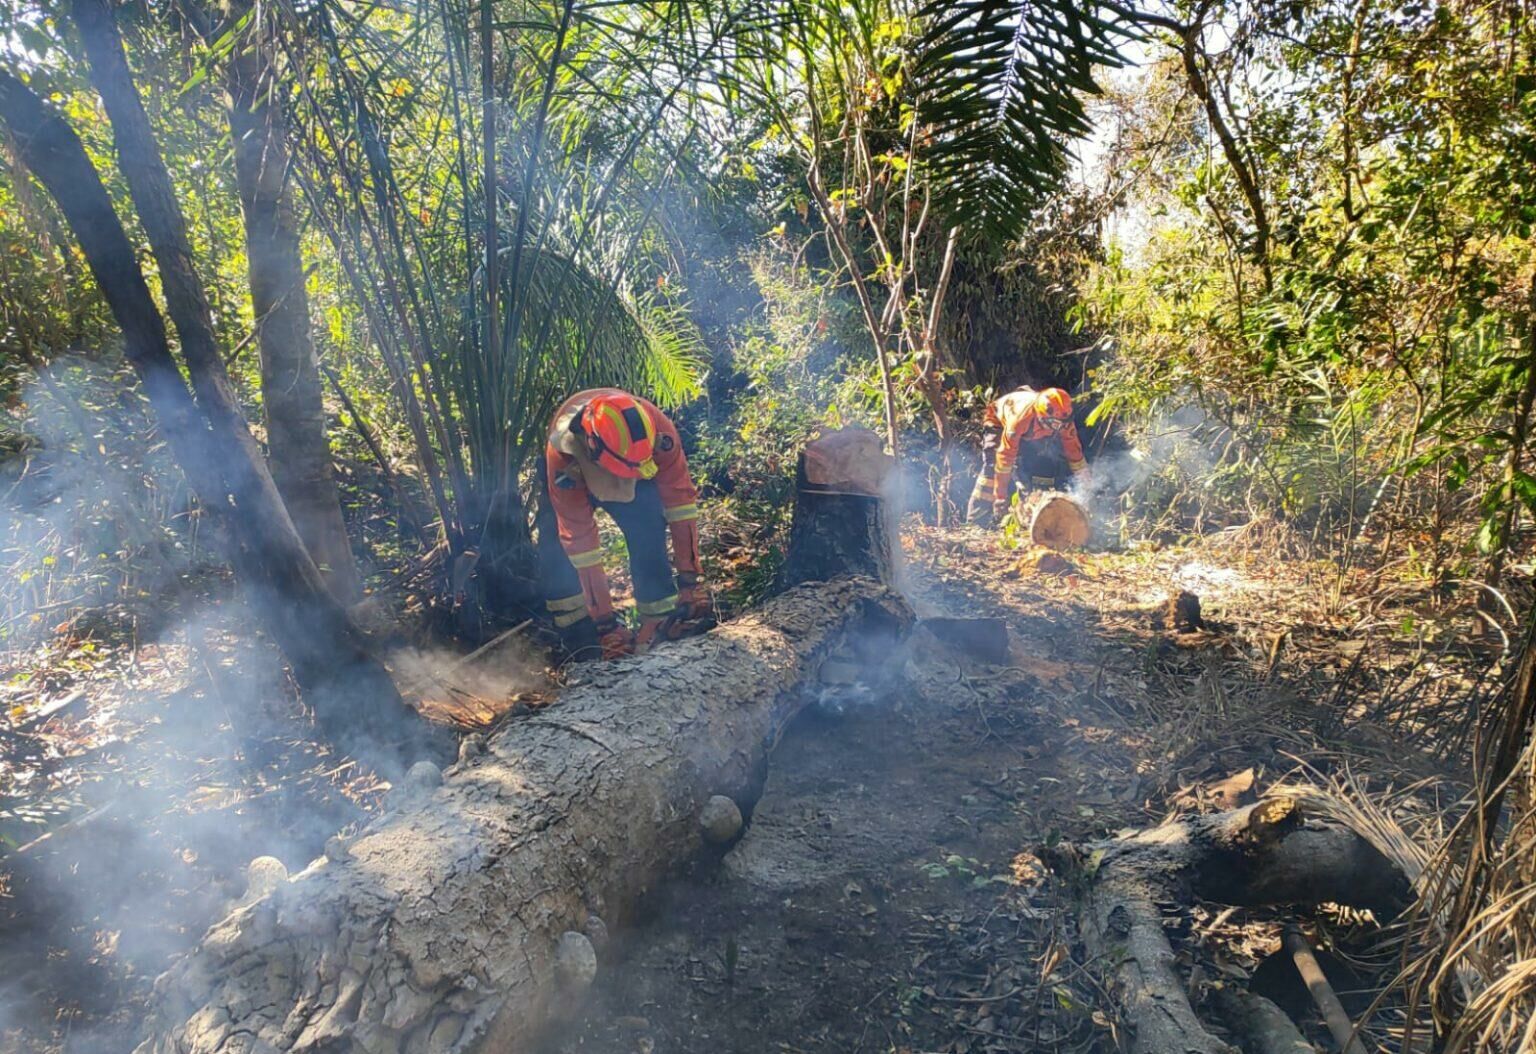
{"x":467,"y":917}
{"x":1268,"y":853}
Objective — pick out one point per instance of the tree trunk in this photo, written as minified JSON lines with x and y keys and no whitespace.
{"x":841,"y":524}
{"x":1263,"y":1026}
{"x":326,"y":652}
{"x":297,"y":448}
{"x":52,"y":152}
{"x":931,"y":380}
{"x":1269,"y":853}
{"x":452,"y":923}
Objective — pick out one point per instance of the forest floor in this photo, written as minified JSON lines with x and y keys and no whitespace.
{"x":887,"y":895}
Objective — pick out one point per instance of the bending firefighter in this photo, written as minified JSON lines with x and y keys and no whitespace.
{"x":610,"y":450}
{"x":1021,"y":422}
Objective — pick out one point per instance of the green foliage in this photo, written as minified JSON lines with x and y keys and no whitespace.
{"x":798,"y":377}
{"x":1369,"y":364}
{"x":1001,"y":85}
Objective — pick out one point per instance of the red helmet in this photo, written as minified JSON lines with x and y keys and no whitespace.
{"x":1053,"y":402}
{"x":620,"y":435}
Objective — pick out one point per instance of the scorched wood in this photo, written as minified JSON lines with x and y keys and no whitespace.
{"x":841,"y":523}
{"x":1268,"y":853}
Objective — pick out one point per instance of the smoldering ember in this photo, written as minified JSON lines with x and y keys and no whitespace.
{"x":698,"y":526}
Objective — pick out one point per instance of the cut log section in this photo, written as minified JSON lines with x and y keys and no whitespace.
{"x":1267,"y":853}
{"x":1055,"y":521}
{"x":462,"y":920}
{"x":841,"y":524}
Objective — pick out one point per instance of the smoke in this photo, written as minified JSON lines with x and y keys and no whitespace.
{"x":470,"y":690}
{"x":187,"y":765}
{"x":1170,"y":445}
{"x":95,"y":511}
{"x":190,"y":754}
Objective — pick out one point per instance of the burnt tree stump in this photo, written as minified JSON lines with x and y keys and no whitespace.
{"x":1183,"y":614}
{"x":841,"y":523}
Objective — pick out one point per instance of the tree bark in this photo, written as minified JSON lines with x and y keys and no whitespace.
{"x":297,"y":449}
{"x":437,"y":929}
{"x":841,"y":524}
{"x":1264,"y":854}
{"x":326,"y":652}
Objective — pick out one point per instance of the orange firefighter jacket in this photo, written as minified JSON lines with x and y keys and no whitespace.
{"x":1016,"y":416}
{"x":575,"y":513}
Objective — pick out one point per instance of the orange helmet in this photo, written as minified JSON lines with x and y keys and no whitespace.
{"x":1053,"y":402}
{"x":620,"y":435}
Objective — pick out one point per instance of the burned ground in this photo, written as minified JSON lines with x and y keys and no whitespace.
{"x":889,"y":892}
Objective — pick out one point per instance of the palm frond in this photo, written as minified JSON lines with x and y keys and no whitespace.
{"x":1000,"y":82}
{"x":675,"y":357}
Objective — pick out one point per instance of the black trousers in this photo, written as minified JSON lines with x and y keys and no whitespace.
{"x":645,"y":537}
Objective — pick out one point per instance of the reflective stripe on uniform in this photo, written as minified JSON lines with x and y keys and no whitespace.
{"x":1077,"y":466}
{"x":570,"y":618}
{"x":590,"y":558}
{"x":681,"y":512}
{"x":571,"y":603}
{"x":664,"y":606}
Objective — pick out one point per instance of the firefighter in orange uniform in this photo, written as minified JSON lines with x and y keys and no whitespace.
{"x":611,"y":450}
{"x":1020,"y":417}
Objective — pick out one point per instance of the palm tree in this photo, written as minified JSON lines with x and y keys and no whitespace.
{"x":490,"y":178}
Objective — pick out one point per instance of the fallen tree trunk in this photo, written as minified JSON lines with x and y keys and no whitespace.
{"x":1263,"y":1026}
{"x":437,"y":930}
{"x":1267,"y":853}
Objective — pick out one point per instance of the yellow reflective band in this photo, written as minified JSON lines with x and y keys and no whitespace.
{"x":577,"y":602}
{"x":1077,"y":466}
{"x":647,"y":469}
{"x":664,"y":606}
{"x":570,"y":618}
{"x":587,"y":559}
{"x":619,"y":427}
{"x":681,"y":512}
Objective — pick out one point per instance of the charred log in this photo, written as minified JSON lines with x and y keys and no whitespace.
{"x":1262,"y":1027}
{"x":1264,"y":854}
{"x":449,"y":925}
